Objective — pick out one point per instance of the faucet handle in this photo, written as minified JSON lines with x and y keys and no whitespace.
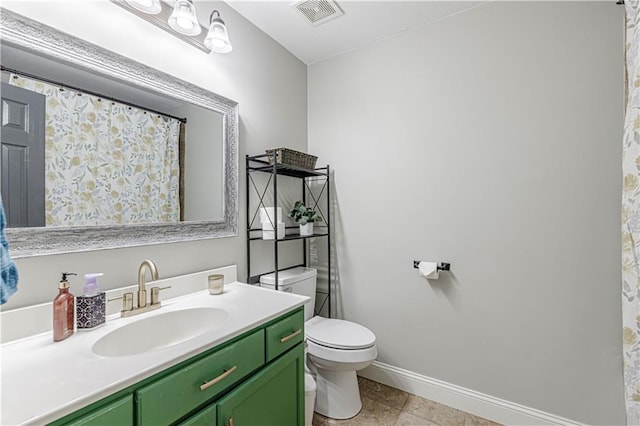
{"x":127,"y":301}
{"x":155,"y":294}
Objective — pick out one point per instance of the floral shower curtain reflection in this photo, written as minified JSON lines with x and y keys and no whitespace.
{"x":106,"y":163}
{"x":631,"y":219}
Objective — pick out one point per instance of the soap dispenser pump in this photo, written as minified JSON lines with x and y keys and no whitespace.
{"x":63,"y":310}
{"x":91,"y":306}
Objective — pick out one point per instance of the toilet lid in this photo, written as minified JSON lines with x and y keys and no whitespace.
{"x":339,"y":334}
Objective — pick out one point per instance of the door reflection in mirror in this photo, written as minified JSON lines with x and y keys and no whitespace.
{"x":22,"y":156}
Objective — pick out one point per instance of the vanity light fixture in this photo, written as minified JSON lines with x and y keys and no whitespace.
{"x":181,"y":21}
{"x":218,"y":38}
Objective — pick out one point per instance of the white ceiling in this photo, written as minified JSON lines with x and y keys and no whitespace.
{"x":363,"y":23}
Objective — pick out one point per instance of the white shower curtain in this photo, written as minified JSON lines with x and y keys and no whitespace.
{"x":106,"y":163}
{"x":631,"y":219}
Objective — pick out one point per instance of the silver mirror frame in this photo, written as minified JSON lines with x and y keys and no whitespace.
{"x":36,"y":37}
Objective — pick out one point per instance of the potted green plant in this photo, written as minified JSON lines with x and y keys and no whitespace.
{"x":305,"y":217}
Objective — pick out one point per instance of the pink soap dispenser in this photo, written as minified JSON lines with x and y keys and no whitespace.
{"x":63,"y":310}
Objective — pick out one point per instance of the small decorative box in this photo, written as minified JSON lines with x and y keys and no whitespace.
{"x":90,"y":311}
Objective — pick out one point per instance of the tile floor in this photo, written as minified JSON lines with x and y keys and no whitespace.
{"x":386,"y":406}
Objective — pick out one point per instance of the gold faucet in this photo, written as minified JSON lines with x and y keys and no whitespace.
{"x":142,"y":291}
{"x":127,"y":305}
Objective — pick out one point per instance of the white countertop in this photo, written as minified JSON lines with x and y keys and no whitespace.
{"x":43,"y":381}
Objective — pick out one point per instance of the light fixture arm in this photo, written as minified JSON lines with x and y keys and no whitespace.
{"x":218,"y":19}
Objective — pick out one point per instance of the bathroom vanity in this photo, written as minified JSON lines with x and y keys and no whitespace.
{"x":246,"y":368}
{"x":262,"y":380}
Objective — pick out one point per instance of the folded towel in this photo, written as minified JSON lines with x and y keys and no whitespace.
{"x":8,"y":270}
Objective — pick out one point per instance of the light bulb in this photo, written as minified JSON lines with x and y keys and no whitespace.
{"x":183,"y":19}
{"x":152,"y":7}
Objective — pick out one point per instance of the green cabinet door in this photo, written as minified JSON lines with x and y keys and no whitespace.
{"x":205,"y":417}
{"x":272,"y":397}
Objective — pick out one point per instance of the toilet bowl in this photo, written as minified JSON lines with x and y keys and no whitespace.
{"x":336,"y":349}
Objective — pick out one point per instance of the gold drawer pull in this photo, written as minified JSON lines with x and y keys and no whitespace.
{"x":291,"y":336}
{"x":227,"y":373}
{"x":230,"y":422}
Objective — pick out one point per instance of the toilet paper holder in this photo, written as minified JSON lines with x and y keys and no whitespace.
{"x":442,"y":266}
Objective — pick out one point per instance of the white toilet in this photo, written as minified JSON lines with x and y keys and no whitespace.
{"x":336,"y":349}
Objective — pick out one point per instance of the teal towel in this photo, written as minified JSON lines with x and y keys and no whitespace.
{"x":8,"y":270}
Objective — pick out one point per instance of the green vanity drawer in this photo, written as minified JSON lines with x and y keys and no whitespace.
{"x":172,"y":397}
{"x":284,"y":334}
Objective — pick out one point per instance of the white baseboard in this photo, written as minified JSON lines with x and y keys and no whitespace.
{"x":476,"y":403}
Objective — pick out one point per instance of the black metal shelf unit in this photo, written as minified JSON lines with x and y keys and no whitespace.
{"x":321,"y":176}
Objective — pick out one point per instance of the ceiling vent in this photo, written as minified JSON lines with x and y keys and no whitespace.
{"x":317,"y":12}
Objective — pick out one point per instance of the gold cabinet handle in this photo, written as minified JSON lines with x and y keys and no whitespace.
{"x":291,"y":336}
{"x":227,"y":373}
{"x":230,"y":422}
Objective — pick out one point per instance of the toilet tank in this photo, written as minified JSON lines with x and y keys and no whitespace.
{"x":297,"y":280}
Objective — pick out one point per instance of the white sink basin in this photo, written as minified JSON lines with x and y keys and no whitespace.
{"x":159,"y":331}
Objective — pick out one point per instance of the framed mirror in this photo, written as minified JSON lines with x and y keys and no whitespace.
{"x":209,"y":214}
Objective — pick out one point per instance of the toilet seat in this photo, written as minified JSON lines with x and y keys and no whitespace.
{"x":340,"y":359}
{"x":338,"y":334}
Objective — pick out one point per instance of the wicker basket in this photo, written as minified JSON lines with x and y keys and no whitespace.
{"x":292,"y":158}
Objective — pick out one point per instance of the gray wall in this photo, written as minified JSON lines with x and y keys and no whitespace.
{"x":266,"y":80}
{"x":491,"y":139}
